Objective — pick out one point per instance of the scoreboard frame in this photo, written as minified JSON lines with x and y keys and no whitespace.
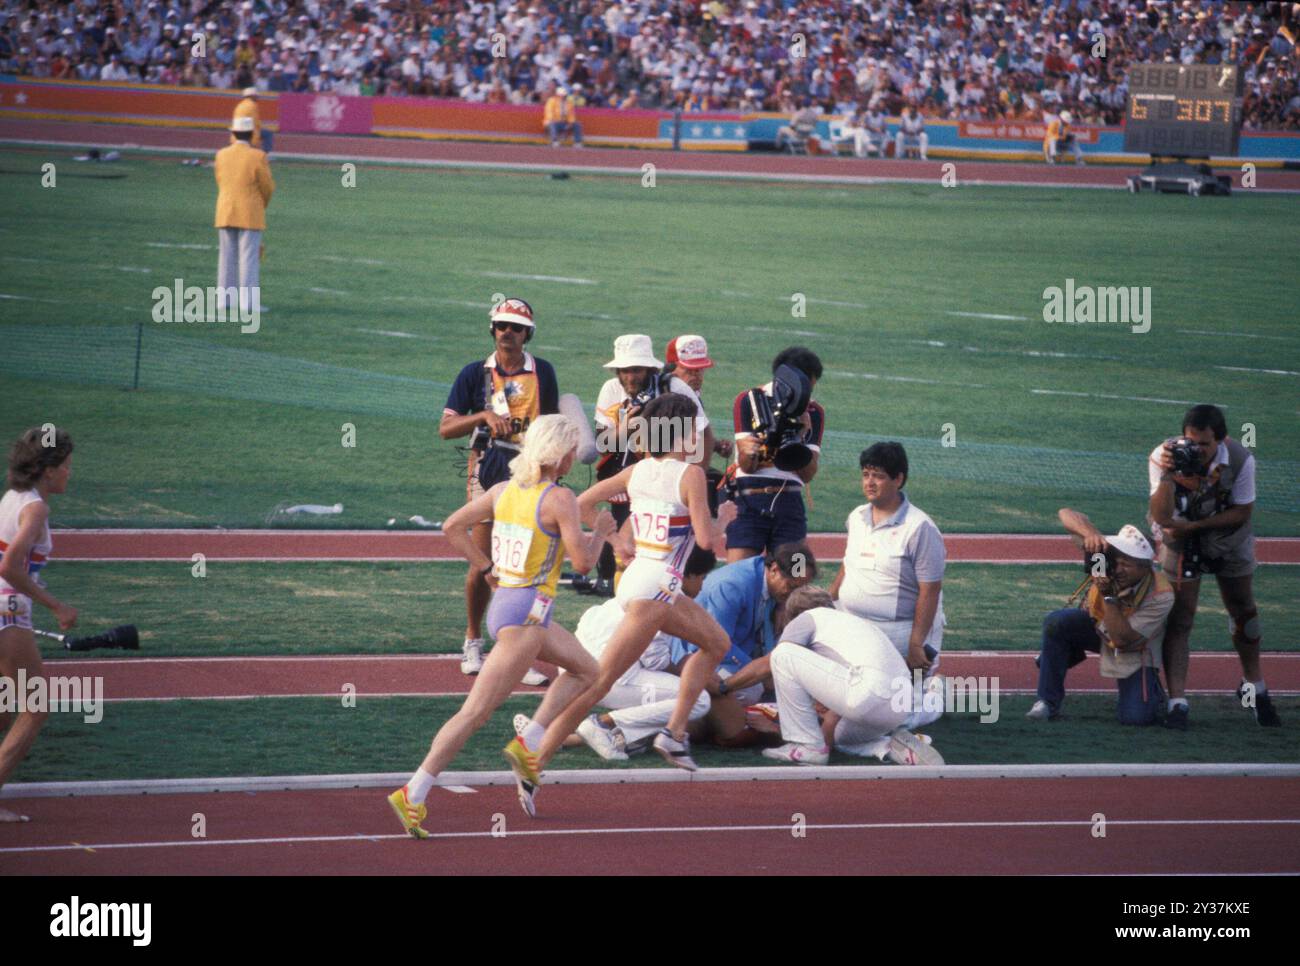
{"x":1183,"y":110}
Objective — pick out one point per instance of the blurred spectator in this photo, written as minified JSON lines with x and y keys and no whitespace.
{"x":561,"y":118}
{"x":956,"y":60}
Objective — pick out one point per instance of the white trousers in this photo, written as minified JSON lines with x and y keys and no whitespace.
{"x":865,"y":142}
{"x":900,"y":634}
{"x":642,"y":702}
{"x":903,"y":141}
{"x":238,"y":263}
{"x":862,"y":697}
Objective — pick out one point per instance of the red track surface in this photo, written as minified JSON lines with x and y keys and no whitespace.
{"x":699,"y":828}
{"x":130,"y":678}
{"x":753,"y":165}
{"x":407,"y":545}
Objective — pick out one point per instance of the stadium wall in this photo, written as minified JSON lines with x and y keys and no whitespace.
{"x":448,"y":119}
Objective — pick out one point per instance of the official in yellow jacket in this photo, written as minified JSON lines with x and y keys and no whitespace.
{"x":244,"y":188}
{"x":560,"y":117}
{"x":248,"y":108}
{"x":1060,"y":138}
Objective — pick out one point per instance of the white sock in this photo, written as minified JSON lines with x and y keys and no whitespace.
{"x":532,"y":736}
{"x":417,"y":789}
{"x":1174,"y":702}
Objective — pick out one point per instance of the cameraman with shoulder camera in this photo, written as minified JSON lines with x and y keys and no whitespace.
{"x":1202,"y":494}
{"x":638,"y":378}
{"x":778,"y":438}
{"x":496,"y":400}
{"x":1122,"y":618}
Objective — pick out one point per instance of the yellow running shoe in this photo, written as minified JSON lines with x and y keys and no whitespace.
{"x":522,"y":761}
{"x":408,"y":814}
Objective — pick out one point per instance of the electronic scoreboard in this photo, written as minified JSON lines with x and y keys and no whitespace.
{"x":1187,"y":111}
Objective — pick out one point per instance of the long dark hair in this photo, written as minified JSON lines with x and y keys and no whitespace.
{"x":29,"y":457}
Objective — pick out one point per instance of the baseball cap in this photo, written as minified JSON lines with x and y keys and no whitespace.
{"x":514,"y":310}
{"x":1130,"y":542}
{"x":689,"y":352}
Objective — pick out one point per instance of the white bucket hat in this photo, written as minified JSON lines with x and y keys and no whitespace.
{"x":242,"y":125}
{"x":632,"y":351}
{"x":1130,"y":542}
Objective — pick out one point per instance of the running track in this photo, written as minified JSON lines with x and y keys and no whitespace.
{"x":904,"y":826}
{"x":622,"y":161}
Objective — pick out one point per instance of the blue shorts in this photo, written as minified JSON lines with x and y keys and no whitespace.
{"x":518,"y":607}
{"x":767,"y":520}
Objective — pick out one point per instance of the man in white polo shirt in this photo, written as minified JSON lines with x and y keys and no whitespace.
{"x":892,"y":574}
{"x":831,"y":658}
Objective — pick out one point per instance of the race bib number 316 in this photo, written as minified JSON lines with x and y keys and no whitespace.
{"x":510,"y":543}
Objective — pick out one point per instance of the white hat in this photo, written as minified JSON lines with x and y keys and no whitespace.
{"x":633,"y":351}
{"x":242,"y":125}
{"x":1067,"y":117}
{"x":689,"y":352}
{"x":250,"y":91}
{"x":513,"y":310}
{"x":1130,"y":542}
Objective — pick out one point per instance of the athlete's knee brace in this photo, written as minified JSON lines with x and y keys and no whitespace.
{"x":1247,"y":631}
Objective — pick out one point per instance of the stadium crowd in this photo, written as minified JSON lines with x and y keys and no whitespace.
{"x":964,"y":60}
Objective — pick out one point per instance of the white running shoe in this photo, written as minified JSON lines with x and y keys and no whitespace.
{"x":1040,"y":712}
{"x":471,"y":661}
{"x":600,"y":739}
{"x":798,"y":754}
{"x":906,"y":748}
{"x":676,"y":753}
{"x":535,"y":678}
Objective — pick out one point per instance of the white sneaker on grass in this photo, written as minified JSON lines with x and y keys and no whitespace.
{"x":906,"y":748}
{"x":603,"y":741}
{"x":797,"y":754}
{"x":535,"y":678}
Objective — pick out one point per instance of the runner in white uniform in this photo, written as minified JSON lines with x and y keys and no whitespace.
{"x":669,"y":515}
{"x":39,"y":465}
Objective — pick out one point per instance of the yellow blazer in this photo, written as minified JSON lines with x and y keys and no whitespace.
{"x":244,"y":187}
{"x":248,"y":108}
{"x":558,"y":108}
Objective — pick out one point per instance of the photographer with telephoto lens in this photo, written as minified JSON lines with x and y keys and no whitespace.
{"x":778,"y":440}
{"x":1202,"y":495}
{"x":1122,"y":618}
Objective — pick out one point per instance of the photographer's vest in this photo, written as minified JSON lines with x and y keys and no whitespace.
{"x":1116,"y":663}
{"x":1214,"y":496}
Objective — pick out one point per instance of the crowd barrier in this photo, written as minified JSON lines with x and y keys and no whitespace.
{"x":451,"y":119}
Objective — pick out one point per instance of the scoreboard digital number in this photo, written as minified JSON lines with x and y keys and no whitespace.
{"x":1178,"y":110}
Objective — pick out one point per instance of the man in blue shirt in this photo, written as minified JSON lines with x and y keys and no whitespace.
{"x":747,"y":598}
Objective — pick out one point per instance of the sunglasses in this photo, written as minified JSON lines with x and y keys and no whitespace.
{"x":518,"y":328}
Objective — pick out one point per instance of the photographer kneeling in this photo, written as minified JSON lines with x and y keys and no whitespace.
{"x":1122,"y":618}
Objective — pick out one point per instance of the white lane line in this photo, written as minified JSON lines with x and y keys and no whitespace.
{"x":135,"y":269}
{"x":845,"y":305}
{"x":1241,"y":335}
{"x":190,"y":246}
{"x":913,"y":379}
{"x":350,"y":260}
{"x":1271,"y":372}
{"x":659,"y":830}
{"x":29,"y":298}
{"x":540,"y":278}
{"x":292,"y":659}
{"x":393,"y":333}
{"x":764,"y":328}
{"x":327,"y":291}
{"x":990,"y":315}
{"x":461,"y":789}
{"x":1106,"y":395}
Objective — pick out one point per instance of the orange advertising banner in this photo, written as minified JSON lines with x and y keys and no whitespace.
{"x":125,"y":103}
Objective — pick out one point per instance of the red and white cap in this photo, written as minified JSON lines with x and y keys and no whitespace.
{"x":690,"y":352}
{"x":514,"y":310}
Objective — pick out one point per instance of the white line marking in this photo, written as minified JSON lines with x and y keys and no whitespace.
{"x":657,"y":830}
{"x":1241,"y":335}
{"x":399,"y":335}
{"x":193,"y":247}
{"x":28,"y":298}
{"x":928,"y":382}
{"x":351,"y":260}
{"x":460,"y":789}
{"x":1106,"y":395}
{"x":764,"y":328}
{"x":327,"y":291}
{"x":135,"y":269}
{"x":618,"y":776}
{"x":540,"y":278}
{"x":989,"y":315}
{"x":846,"y":305}
{"x":1271,"y":372}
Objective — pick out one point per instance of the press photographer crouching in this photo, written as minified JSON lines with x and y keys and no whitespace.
{"x":1122,"y":617}
{"x":778,"y":440}
{"x":1202,"y":495}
